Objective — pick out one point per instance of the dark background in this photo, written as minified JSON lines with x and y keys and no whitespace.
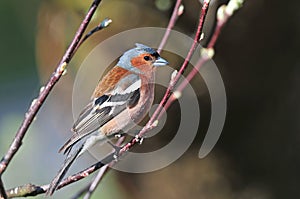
{"x":257,"y":55}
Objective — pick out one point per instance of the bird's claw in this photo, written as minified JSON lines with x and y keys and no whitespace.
{"x":116,"y":156}
{"x":139,"y":139}
{"x":118,"y":135}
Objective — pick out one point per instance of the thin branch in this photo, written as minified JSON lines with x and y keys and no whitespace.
{"x":33,"y":190}
{"x":26,"y":190}
{"x":91,"y":187}
{"x":38,"y":102}
{"x":177,"y":93}
{"x":103,"y":24}
{"x":223,"y":14}
{"x":2,"y":190}
{"x":95,"y":182}
{"x":176,"y":13}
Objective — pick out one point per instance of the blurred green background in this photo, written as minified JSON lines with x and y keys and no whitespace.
{"x":257,"y":55}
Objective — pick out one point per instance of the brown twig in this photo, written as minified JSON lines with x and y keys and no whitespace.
{"x":177,"y":93}
{"x":26,"y":190}
{"x":33,"y":190}
{"x":44,"y":92}
{"x":223,"y":14}
{"x":91,"y":187}
{"x":175,"y":14}
{"x":103,"y":24}
{"x":37,"y":103}
{"x":2,"y":190}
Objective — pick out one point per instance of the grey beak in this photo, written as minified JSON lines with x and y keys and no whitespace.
{"x":160,"y":62}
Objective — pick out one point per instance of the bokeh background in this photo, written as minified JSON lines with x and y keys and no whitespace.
{"x":257,"y":55}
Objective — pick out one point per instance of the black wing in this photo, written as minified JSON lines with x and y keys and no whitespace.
{"x":102,"y":109}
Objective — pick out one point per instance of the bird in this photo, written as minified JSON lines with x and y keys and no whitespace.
{"x":119,"y":102}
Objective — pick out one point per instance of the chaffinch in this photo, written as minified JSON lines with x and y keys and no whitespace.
{"x":120,"y":101}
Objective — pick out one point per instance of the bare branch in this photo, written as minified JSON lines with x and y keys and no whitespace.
{"x":171,"y":24}
{"x":33,"y":190}
{"x":26,"y":190}
{"x":95,"y":182}
{"x":224,"y":12}
{"x":91,"y":187}
{"x":2,"y":190}
{"x":103,"y":24}
{"x":38,"y":102}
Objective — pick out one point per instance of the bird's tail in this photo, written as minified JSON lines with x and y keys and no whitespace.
{"x":61,"y":173}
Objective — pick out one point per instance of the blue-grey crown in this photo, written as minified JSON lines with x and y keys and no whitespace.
{"x":145,"y":48}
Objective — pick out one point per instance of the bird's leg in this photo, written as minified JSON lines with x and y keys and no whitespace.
{"x":115,"y":147}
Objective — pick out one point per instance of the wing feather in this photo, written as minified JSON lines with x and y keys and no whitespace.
{"x":102,"y":109}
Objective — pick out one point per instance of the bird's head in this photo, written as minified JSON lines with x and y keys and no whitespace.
{"x":141,"y":59}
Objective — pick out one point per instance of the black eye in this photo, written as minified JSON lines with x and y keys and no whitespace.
{"x":147,"y":58}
